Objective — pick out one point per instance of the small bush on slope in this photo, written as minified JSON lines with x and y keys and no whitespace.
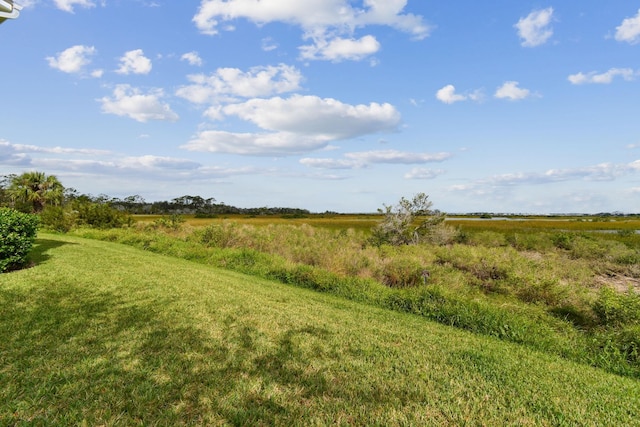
{"x":17,"y":233}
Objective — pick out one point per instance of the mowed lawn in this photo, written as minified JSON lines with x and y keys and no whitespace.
{"x":97,"y":333}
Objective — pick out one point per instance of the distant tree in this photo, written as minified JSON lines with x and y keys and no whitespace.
{"x":5,"y":183}
{"x":36,"y":189}
{"x":408,"y":222}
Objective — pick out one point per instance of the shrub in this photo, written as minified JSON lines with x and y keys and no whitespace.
{"x":410,"y":222}
{"x":99,"y":215}
{"x":57,"y":218}
{"x":400,"y":272}
{"x":173,"y":221}
{"x":489,"y":239}
{"x":17,"y":234}
{"x":563,"y":240}
{"x":616,"y":309}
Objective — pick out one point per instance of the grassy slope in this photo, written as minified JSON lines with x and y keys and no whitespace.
{"x":107,"y":334}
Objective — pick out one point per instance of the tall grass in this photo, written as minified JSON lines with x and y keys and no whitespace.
{"x":102,"y":334}
{"x":543,"y":296}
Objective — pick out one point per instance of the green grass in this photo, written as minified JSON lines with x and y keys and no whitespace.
{"x":97,"y":333}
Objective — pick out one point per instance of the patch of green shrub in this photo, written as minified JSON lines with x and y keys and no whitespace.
{"x":614,"y":308}
{"x":17,"y":234}
{"x":57,"y":218}
{"x":401,"y":272}
{"x":563,"y":240}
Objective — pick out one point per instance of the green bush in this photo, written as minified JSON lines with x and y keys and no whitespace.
{"x":57,"y":218}
{"x":99,"y":215}
{"x":617,"y":309}
{"x":401,"y":272}
{"x":17,"y":234}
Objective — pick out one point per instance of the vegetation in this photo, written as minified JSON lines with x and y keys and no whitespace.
{"x":101,"y":334}
{"x":410,"y":222}
{"x":565,"y":287}
{"x":17,"y":234}
{"x":35,"y":190}
{"x":520,"y":286}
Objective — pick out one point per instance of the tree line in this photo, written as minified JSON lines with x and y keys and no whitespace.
{"x":35,"y":192}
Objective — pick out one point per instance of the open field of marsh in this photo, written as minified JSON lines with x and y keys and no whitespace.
{"x":98,"y":333}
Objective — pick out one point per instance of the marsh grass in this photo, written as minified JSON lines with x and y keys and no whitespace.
{"x":543,"y":298}
{"x":97,"y":333}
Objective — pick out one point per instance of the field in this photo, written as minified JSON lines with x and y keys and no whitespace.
{"x":98,"y":333}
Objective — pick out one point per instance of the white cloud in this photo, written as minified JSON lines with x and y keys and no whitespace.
{"x":268,"y":44}
{"x":331,"y":163}
{"x":423,"y":173}
{"x":67,"y":5}
{"x":11,"y":155}
{"x":604,"y":78}
{"x":157,"y":162}
{"x":227,"y":83}
{"x":192,"y":58}
{"x":134,"y":62}
{"x":299,"y":124}
{"x":448,"y":95}
{"x":29,"y":155}
{"x":339,"y":49}
{"x":326,"y":22}
{"x":73,"y":59}
{"x":629,"y":30}
{"x":510,"y":90}
{"x":397,"y":157}
{"x":599,"y":172}
{"x":534,"y":29}
{"x":255,"y":144}
{"x":356,"y":160}
{"x":326,"y":118}
{"x":130,"y":102}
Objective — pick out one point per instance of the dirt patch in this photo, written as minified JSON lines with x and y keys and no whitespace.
{"x":620,"y":283}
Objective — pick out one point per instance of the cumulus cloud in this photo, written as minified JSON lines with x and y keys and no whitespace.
{"x":339,"y":49}
{"x":73,"y":60}
{"x":511,"y":91}
{"x":131,"y":102}
{"x":295,"y":125}
{"x":68,"y":5}
{"x":325,"y":118}
{"x":326,"y":22}
{"x":603,"y":78}
{"x":192,"y":58}
{"x":225,"y":84}
{"x":448,"y":95}
{"x":134,"y":62}
{"x":534,"y":29}
{"x":629,"y":30}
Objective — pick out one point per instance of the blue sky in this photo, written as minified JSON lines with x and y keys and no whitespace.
{"x":339,"y":105}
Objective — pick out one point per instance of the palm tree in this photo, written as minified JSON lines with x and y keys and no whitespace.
{"x":36,"y":189}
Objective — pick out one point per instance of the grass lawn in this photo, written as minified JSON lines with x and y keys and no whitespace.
{"x":98,"y":333}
